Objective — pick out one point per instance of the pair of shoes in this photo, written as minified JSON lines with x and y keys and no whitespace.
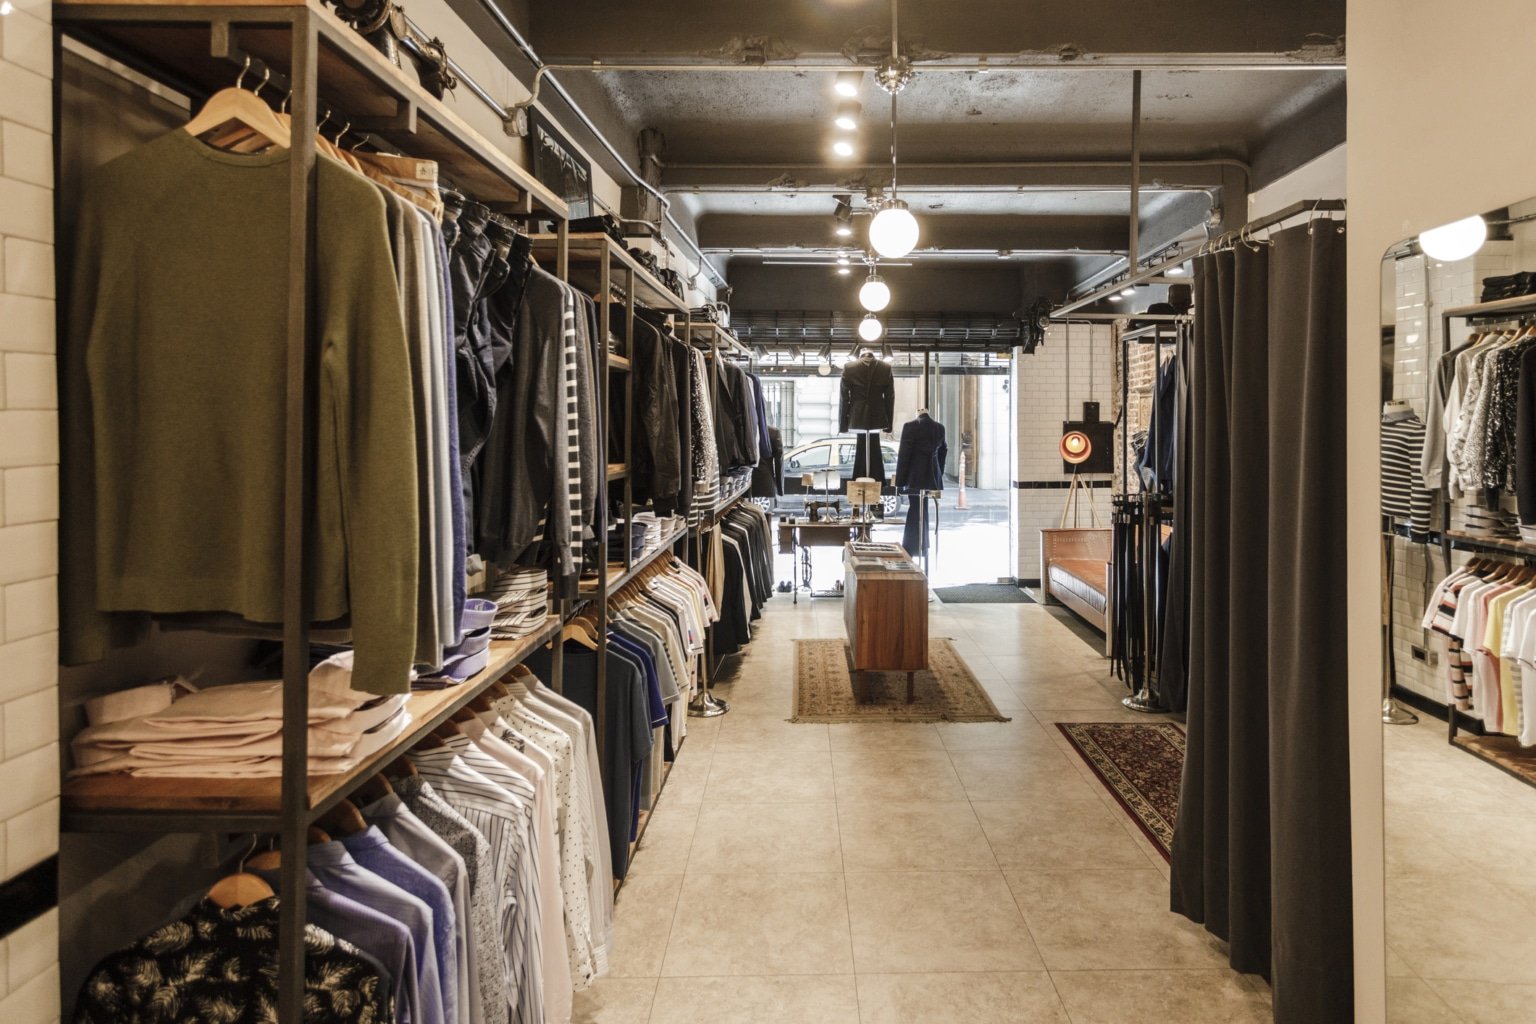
{"x":784,"y":586}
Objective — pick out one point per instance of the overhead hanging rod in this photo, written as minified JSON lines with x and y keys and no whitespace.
{"x":1305,"y":207}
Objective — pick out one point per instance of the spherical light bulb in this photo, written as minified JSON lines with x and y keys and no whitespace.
{"x":1455,"y":241}
{"x":824,"y":370}
{"x":870,"y":328}
{"x":843,"y":147}
{"x":893,"y":232}
{"x":875,"y":295}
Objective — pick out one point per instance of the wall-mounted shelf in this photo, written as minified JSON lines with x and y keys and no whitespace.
{"x":618,"y":575}
{"x":617,"y":471}
{"x":199,"y":48}
{"x":587,"y":251}
{"x":1472,"y":541}
{"x":125,"y":803}
{"x":1501,"y":307}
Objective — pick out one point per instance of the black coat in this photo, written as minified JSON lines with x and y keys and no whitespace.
{"x":868,"y":396}
{"x":920,"y":458}
{"x":768,"y":477}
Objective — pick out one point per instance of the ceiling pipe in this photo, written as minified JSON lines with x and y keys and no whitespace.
{"x":494,"y":9}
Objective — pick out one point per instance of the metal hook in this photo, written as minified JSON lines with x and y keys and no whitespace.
{"x":266,"y":76}
{"x":282,"y":108}
{"x":240,"y":78}
{"x":255,"y":841}
{"x":342,"y":134}
{"x":324,"y":120}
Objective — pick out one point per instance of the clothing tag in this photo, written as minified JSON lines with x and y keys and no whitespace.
{"x":426,"y":170}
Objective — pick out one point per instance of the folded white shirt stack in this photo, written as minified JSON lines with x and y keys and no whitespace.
{"x":237,"y":730}
{"x":522,"y":602}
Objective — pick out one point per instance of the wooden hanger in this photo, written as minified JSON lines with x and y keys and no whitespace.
{"x":400,"y":768}
{"x":464,"y":715}
{"x":344,"y":819}
{"x":480,"y":704}
{"x":577,"y":630}
{"x":240,"y":890}
{"x":499,"y":690}
{"x":243,"y":107}
{"x":374,"y":788}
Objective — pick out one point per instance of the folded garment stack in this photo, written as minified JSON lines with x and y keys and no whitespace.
{"x":522,"y":603}
{"x":1489,"y":522}
{"x":236,"y":730}
{"x":469,"y":656}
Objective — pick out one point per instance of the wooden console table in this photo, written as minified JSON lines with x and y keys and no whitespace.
{"x":885,"y":609}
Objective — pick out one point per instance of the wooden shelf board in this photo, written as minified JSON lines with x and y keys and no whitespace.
{"x":129,"y":795}
{"x":171,"y":41}
{"x":618,"y":575}
{"x":1509,"y":544}
{"x":617,"y":471}
{"x":618,"y":363}
{"x":586,"y":253}
{"x":1504,"y":753}
{"x":1518,"y":304}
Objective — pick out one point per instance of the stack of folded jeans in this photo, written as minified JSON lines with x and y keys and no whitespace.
{"x":1508,"y":286}
{"x":237,"y":730}
{"x":522,"y":602}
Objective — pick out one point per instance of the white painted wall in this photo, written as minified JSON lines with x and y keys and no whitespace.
{"x":1323,"y":178}
{"x":1430,"y":83}
{"x":29,"y":475}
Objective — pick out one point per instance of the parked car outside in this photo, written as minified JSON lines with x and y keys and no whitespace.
{"x":837,"y":453}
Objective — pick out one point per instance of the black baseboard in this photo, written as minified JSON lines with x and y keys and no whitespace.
{"x":29,"y":895}
{"x":1419,"y":702}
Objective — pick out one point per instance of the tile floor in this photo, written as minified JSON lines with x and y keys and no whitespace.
{"x":1461,"y":896}
{"x":854,"y":874}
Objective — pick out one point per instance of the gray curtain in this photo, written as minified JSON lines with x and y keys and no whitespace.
{"x":1261,"y":852}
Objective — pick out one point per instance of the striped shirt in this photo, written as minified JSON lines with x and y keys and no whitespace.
{"x":1404,"y":498}
{"x":499,"y":804}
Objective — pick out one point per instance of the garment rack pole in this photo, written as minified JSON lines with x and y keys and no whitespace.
{"x":604,"y":325}
{"x":631,"y":423}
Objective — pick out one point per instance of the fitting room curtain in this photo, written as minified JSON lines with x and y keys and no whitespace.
{"x":1261,"y":852}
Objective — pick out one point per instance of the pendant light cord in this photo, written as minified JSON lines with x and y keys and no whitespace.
{"x":895,"y":58}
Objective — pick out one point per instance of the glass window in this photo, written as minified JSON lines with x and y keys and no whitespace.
{"x":845,"y":453}
{"x":815,"y":457}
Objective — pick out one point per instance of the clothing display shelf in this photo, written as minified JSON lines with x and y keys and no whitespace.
{"x":197,"y":48}
{"x":1463,"y":732}
{"x":308,"y":51}
{"x":729,"y":501}
{"x":717,"y":340}
{"x":590,"y":254}
{"x":620,"y":574}
{"x":124,"y":803}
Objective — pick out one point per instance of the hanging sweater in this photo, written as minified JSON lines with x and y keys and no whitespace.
{"x":175,"y":382}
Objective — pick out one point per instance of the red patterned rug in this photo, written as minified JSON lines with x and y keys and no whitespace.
{"x":1141,"y":765}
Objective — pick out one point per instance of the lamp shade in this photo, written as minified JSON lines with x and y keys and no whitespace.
{"x":870,"y":328}
{"x":875,"y":294}
{"x":1456,"y":240}
{"x":1076,"y":448}
{"x":893,"y":232}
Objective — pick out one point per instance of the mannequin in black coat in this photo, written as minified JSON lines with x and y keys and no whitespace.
{"x":920,"y":467}
{"x":768,"y":477}
{"x":867,"y":396}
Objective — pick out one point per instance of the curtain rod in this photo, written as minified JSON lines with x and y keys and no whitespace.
{"x":1302,"y":208}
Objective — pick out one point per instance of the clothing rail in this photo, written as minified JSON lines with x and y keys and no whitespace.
{"x":1304,"y":208}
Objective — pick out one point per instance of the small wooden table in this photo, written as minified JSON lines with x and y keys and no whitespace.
{"x":801,"y":537}
{"x":885,"y":610}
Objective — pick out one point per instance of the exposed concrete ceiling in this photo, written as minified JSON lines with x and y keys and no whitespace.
{"x":1032,"y":156}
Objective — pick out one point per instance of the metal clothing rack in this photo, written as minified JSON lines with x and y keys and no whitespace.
{"x":195,"y":47}
{"x":1144,"y":511}
{"x":1503,"y":753}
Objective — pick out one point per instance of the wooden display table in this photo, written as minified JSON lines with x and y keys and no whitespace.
{"x":885,"y":610}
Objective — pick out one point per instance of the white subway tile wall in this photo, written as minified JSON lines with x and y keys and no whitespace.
{"x":1073,"y":366}
{"x":29,"y":503}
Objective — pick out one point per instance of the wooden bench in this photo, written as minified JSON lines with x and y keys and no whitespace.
{"x":1074,"y":570}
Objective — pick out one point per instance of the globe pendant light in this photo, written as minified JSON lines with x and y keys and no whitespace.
{"x":870,"y":328}
{"x":1455,"y":241}
{"x":893,"y":232}
{"x":875,"y":295}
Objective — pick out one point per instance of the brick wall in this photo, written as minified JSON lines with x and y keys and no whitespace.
{"x":1075,"y":365}
{"x":29,"y":506}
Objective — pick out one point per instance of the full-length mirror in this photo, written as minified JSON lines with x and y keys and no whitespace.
{"x":1458,"y":465}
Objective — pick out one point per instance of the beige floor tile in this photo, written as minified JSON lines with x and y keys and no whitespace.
{"x":1480,"y":935}
{"x":768,"y":734}
{"x":1481,"y":1003}
{"x":790,"y":778}
{"x":642,"y":917}
{"x":921,"y":922}
{"x":1021,"y":998}
{"x":913,"y":836}
{"x":1040,"y":837}
{"x":896,"y":736}
{"x":687,"y":779}
{"x":668,"y":836}
{"x":1024,"y":732}
{"x":1397,"y":967}
{"x":1109,"y":920}
{"x":615,"y":1001}
{"x":1414,"y":846}
{"x":798,"y":999}
{"x":1411,"y":1001}
{"x":759,"y":924}
{"x":766,"y":837}
{"x":1141,"y":997}
{"x":864,"y":775}
{"x":1033,"y":775}
{"x":1075,"y":692}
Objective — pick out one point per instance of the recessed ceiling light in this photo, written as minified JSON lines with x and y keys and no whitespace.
{"x":845,"y":271}
{"x":844,"y":231}
{"x":1127,"y":292}
{"x":1117,"y":297}
{"x":843,"y":261}
{"x":848,"y":115}
{"x":1178,"y":271}
{"x":843,"y":147}
{"x":848,"y":83}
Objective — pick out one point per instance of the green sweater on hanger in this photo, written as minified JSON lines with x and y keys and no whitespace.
{"x":174,"y":375}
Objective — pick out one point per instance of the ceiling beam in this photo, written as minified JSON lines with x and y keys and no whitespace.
{"x":947,"y":231}
{"x":1066,"y":31}
{"x":1204,"y":173}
